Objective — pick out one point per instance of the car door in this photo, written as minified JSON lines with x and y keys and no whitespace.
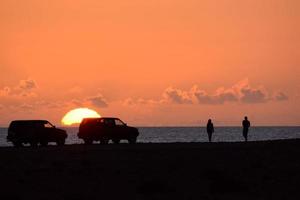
{"x":98,"y":129}
{"x":121,"y":129}
{"x":48,"y":132}
{"x":109,"y":128}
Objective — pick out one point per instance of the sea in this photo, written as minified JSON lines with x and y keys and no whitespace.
{"x":190,"y":134}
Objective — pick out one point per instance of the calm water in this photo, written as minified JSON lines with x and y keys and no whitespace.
{"x":191,"y":134}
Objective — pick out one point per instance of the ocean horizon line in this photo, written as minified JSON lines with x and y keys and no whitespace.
{"x":191,"y":126}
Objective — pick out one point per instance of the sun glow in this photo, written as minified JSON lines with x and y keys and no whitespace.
{"x":75,"y":116}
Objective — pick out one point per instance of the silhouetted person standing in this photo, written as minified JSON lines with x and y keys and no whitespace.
{"x":246,"y":126}
{"x":210,"y":129}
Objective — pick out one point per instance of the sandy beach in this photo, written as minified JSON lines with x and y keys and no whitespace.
{"x":253,"y":170}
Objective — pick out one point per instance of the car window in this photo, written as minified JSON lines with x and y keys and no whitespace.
{"x":48,"y":125}
{"x":84,"y":121}
{"x":119,"y":122}
{"x":109,"y":122}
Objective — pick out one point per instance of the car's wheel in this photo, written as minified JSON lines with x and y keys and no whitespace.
{"x":116,"y":141}
{"x":88,"y":141}
{"x":60,"y":142}
{"x":33,"y":144}
{"x":132,"y":140}
{"x":43,"y":143}
{"x":17,"y":143}
{"x":104,"y":141}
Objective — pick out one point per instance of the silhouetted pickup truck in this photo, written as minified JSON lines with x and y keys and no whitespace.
{"x":34,"y":132}
{"x":104,"y":129}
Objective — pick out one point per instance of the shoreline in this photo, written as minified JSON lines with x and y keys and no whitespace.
{"x":251,"y":142}
{"x":182,"y":126}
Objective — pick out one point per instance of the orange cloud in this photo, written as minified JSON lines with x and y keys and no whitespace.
{"x":240,"y":92}
{"x":25,"y":88}
{"x":98,"y":101}
{"x":140,"y":101}
{"x":177,"y":96}
{"x":28,"y":84}
{"x":220,"y":97}
{"x":280,"y":96}
{"x":5,"y":91}
{"x":27,"y":107}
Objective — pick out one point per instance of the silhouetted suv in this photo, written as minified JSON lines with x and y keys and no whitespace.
{"x":105,"y":129}
{"x":35,"y":132}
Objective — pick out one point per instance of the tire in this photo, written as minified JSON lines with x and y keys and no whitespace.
{"x":60,"y":142}
{"x":17,"y":143}
{"x":44,"y":143}
{"x":33,"y":144}
{"x":132,"y":140}
{"x":116,"y":141}
{"x":104,"y":141}
{"x":88,"y":141}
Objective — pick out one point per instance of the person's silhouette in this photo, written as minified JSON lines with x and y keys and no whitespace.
{"x":210,"y":129}
{"x":246,"y":126}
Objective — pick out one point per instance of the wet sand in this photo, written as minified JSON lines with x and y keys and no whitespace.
{"x":256,"y":170}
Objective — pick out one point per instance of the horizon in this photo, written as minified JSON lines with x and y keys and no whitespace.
{"x":188,"y":126}
{"x":155,"y":64}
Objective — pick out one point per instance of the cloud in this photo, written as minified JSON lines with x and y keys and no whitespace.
{"x":219,"y":97}
{"x":250,"y":95}
{"x":139,"y":101}
{"x":280,"y":96}
{"x":76,"y":102}
{"x":49,"y":104}
{"x":224,"y":95}
{"x":5,"y":91}
{"x":23,"y":89}
{"x":176,"y":96}
{"x":129,"y":102}
{"x":28,"y":84}
{"x":98,"y":101}
{"x":241,"y":92}
{"x":27,"y":107}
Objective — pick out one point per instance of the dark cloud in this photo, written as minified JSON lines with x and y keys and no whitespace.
{"x":76,"y":102}
{"x":140,"y":101}
{"x":23,"y":89}
{"x":203,"y":98}
{"x":98,"y":101}
{"x":28,"y":84}
{"x":240,"y":92}
{"x":280,"y":96}
{"x":253,"y":96}
{"x":177,"y":96}
{"x":129,"y":102}
{"x":49,"y":104}
{"x":5,"y":91}
{"x":27,"y":107}
{"x":227,"y":96}
{"x":219,"y":97}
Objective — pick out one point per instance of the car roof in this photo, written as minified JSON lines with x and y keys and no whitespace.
{"x":95,"y":118}
{"x":30,"y":121}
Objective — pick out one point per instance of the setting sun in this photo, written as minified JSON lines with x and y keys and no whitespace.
{"x":75,"y":116}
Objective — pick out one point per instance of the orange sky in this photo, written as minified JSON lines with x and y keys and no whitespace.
{"x":161,"y":62}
